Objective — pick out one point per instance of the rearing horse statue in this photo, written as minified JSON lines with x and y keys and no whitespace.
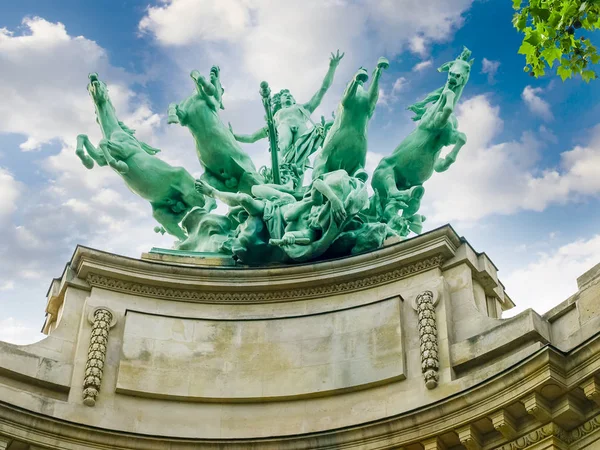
{"x":398,"y":179}
{"x":170,"y":190}
{"x":226,"y":166}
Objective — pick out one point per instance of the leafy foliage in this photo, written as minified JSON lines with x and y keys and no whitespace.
{"x":555,"y":32}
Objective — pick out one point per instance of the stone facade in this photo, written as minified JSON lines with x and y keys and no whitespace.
{"x":400,"y":348}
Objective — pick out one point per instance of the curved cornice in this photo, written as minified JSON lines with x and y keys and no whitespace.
{"x":212,"y":284}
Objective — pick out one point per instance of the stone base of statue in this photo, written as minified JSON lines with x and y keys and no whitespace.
{"x":400,"y":348}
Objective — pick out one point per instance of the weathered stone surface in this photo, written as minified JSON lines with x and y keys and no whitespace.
{"x":261,"y":359}
{"x":325,"y":355}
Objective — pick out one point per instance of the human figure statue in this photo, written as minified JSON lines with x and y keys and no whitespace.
{"x":226,"y":166}
{"x":398,"y":179}
{"x":314,"y":223}
{"x":265,"y":209}
{"x":170,"y":190}
{"x":345,"y":146}
{"x":298,"y":136}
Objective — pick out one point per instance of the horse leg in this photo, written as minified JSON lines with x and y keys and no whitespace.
{"x":374,"y":87}
{"x":120,"y":166}
{"x":86,"y":159}
{"x":169,"y":221}
{"x":183,"y":182}
{"x":94,"y":152}
{"x":388,"y":187}
{"x":441,"y":118}
{"x":459,"y":140}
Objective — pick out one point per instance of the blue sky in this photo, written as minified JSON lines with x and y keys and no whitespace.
{"x":525,"y":189}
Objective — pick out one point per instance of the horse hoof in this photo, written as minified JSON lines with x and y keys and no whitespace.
{"x":87,"y":161}
{"x":121,"y":167}
{"x":383,"y":63}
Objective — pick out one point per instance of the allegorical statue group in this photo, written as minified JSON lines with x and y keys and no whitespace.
{"x":274,"y":215}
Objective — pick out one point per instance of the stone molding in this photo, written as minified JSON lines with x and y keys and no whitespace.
{"x":537,"y":435}
{"x":552,"y":429}
{"x":423,"y":425}
{"x":203,"y":296}
{"x":102,"y":320}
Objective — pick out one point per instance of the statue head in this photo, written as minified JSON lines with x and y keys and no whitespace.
{"x":458,"y":71}
{"x":97,"y":89}
{"x":283,"y":99}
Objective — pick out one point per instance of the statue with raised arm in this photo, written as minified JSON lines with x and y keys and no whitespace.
{"x":345,"y":146}
{"x":398,"y":179}
{"x":170,"y":190}
{"x":298,"y":136}
{"x":272,"y":216}
{"x":226,"y":166}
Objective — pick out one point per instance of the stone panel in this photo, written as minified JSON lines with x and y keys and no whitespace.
{"x":228,"y":360}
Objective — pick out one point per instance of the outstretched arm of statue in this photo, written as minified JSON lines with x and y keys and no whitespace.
{"x":459,"y":140}
{"x":253,"y":206}
{"x":337,"y":207}
{"x":250,"y":138}
{"x":316,"y":99}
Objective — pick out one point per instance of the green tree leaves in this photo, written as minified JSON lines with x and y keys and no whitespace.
{"x":555,"y":31}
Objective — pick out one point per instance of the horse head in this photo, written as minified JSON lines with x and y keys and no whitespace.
{"x":97,"y":90}
{"x":458,"y":72}
{"x":458,"y":75}
{"x":215,"y":79}
{"x":211,"y":91}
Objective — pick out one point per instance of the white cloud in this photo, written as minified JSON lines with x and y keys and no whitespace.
{"x":422,"y":65}
{"x":30,"y":144}
{"x":254,"y":37}
{"x":78,"y":206}
{"x":383,"y":99}
{"x":18,"y":332}
{"x":185,"y":21}
{"x":10,"y":190}
{"x":502,"y":178}
{"x":26,"y":239}
{"x":551,"y":279}
{"x":417,"y":45}
{"x":490,"y":68}
{"x":42,"y":84}
{"x":535,"y":103}
{"x":7,"y":285}
{"x":399,"y":85}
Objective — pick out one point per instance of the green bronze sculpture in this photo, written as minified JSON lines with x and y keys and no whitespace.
{"x":398,"y":179}
{"x":170,"y":190}
{"x":346,"y":144}
{"x":298,"y":136}
{"x":273,"y":216}
{"x":265,"y":209}
{"x":226,"y":166}
{"x":315,"y":222}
